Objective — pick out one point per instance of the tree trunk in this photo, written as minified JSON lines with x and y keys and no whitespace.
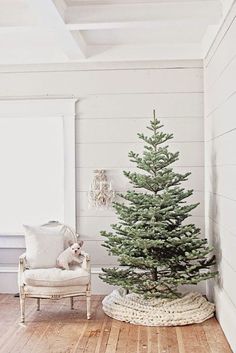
{"x":154,"y":274}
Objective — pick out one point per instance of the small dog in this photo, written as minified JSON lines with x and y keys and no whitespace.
{"x":71,"y":254}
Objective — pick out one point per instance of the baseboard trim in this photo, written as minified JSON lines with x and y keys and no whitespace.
{"x":7,"y":269}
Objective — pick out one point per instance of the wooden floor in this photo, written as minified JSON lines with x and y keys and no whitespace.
{"x":57,"y":329}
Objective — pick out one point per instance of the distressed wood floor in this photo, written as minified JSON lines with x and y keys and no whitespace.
{"x":57,"y":329}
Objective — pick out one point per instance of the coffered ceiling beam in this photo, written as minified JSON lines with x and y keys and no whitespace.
{"x":49,"y":17}
{"x":118,"y":16}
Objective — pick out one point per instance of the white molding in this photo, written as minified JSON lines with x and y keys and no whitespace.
{"x":99,"y":66}
{"x":70,"y":170}
{"x":155,"y":25}
{"x":8,"y":269}
{"x":38,"y":97}
{"x":65,"y":109}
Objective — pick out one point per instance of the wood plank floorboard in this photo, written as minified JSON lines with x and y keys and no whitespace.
{"x":57,"y":329}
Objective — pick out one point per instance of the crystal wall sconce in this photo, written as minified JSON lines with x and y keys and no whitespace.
{"x":100,"y":195}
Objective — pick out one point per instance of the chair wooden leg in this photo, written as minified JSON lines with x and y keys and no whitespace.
{"x":88,"y":300}
{"x":38,"y":304}
{"x":72,"y":303}
{"x":22,"y":308}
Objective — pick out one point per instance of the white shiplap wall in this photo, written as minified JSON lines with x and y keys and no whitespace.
{"x":220,"y":147}
{"x":114,"y":104}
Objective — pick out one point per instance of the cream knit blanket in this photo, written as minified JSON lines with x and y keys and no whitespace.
{"x":189,"y":309}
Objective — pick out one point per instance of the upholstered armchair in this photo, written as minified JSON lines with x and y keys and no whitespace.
{"x":52,"y":282}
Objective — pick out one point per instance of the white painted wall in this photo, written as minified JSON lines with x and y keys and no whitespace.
{"x":114,"y":104}
{"x":220,"y":160}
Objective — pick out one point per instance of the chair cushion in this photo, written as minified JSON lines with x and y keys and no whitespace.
{"x":45,"y":292}
{"x":55,"y":277}
{"x":43,"y":245}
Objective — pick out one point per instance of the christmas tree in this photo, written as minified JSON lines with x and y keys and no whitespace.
{"x":157,"y":251}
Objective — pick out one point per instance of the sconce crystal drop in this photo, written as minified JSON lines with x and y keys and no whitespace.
{"x":101,"y":194}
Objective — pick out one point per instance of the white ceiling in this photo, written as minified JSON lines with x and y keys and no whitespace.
{"x":48,"y":31}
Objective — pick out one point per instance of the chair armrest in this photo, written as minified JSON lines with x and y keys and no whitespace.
{"x":22,"y":261}
{"x":21,"y":269}
{"x":86,"y":262}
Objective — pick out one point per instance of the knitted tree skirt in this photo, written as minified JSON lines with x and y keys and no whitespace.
{"x":189,"y":309}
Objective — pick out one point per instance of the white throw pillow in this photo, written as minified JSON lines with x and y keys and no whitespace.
{"x":43,"y":245}
{"x":70,"y":236}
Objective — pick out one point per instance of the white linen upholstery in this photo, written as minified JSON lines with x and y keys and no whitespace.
{"x":55,"y":277}
{"x":70,"y":237}
{"x":54,"y":292}
{"x":43,"y":245}
{"x":53,"y":283}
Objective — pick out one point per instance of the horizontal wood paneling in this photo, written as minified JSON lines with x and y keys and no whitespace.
{"x":84,"y":177}
{"x":108,"y":156}
{"x":219,"y":151}
{"x":223,"y":56}
{"x":8,"y":282}
{"x":223,"y":89}
{"x":224,"y":241}
{"x":99,"y":254}
{"x":89,"y":227}
{"x":113,"y":131}
{"x":83,"y":208}
{"x":80,"y":83}
{"x":113,"y":105}
{"x":10,"y":256}
{"x":220,"y":171}
{"x":226,"y":275}
{"x":221,"y":180}
{"x":221,"y":120}
{"x":179,"y":104}
{"x":222,"y":210}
